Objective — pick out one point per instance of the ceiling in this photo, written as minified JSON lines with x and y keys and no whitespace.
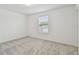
{"x":34,"y":8}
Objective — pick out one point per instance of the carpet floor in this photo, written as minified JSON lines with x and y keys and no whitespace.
{"x":31,"y":46}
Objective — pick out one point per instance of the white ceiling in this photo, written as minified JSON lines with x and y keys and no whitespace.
{"x":34,"y":8}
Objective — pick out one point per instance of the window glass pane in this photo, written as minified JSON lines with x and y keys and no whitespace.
{"x":43,"y":24}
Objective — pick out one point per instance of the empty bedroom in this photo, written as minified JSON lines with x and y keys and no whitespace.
{"x":39,"y":29}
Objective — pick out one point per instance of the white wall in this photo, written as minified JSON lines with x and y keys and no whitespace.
{"x":12,"y":25}
{"x":78,"y":29}
{"x":78,"y":25}
{"x":61,"y":25}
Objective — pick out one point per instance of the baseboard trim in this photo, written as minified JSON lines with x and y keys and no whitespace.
{"x":14,"y":40}
{"x":53,"y":41}
{"x":36,"y":38}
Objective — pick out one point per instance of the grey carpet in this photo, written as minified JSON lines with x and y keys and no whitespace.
{"x":30,"y":46}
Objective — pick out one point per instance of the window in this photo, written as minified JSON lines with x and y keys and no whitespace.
{"x":43,"y":24}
